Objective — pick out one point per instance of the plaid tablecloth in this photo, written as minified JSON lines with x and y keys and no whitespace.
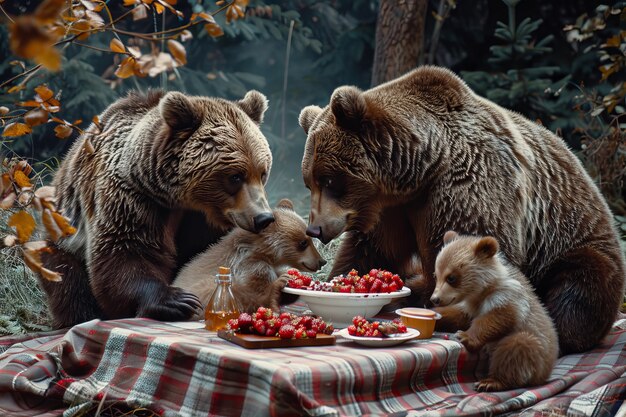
{"x":174,"y":371}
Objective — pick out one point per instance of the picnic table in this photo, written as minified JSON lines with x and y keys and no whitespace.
{"x":178,"y":369}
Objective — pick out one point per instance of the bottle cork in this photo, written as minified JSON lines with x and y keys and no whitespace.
{"x":223,"y":270}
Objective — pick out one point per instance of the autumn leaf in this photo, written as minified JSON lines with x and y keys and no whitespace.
{"x":16,"y":88}
{"x":62,"y":131}
{"x":16,"y":129}
{"x":48,"y":11}
{"x":9,"y":240}
{"x":21,"y":179}
{"x":32,"y":259}
{"x":126,"y":68}
{"x":8,"y":201}
{"x":36,"y":117}
{"x":44,"y":92}
{"x":54,"y":231}
{"x":49,"y":58}
{"x":117,"y":46}
{"x":23,"y":166}
{"x":178,"y":51}
{"x":24,"y":225}
{"x":214,"y":30}
{"x":66,"y":228}
{"x":185,"y":35}
{"x":3,"y":110}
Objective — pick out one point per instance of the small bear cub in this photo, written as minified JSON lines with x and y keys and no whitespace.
{"x":508,"y":322}
{"x":258,"y":261}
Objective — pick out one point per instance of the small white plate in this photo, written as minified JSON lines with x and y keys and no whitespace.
{"x":395,"y":339}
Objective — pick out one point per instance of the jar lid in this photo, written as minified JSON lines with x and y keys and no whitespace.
{"x":223,"y":270}
{"x":418,"y":312}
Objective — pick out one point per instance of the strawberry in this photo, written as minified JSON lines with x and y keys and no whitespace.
{"x":373,"y":272}
{"x":298,"y":283}
{"x":393,"y":287}
{"x":244,"y":320}
{"x":286,"y":331}
{"x":387,"y":276}
{"x":352,"y":329}
{"x":300,"y":333}
{"x":353,"y":272}
{"x":293,"y":272}
{"x":384,"y":287}
{"x":259,"y":326}
{"x":285,"y":315}
{"x":311,"y":333}
{"x":360,"y":288}
{"x":376,"y":285}
{"x":233,"y":324}
{"x":260,"y":313}
{"x":345,"y":288}
{"x":270,"y":332}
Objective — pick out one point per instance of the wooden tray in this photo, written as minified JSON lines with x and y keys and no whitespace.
{"x":253,"y":341}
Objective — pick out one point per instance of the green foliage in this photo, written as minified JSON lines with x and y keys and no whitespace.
{"x":519,"y":77}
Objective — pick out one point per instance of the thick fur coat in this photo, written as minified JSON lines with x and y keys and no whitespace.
{"x":508,"y":321}
{"x":400,"y":164}
{"x":258,"y":262}
{"x":168,"y":174}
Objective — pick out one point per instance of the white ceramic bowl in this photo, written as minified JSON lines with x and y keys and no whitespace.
{"x":339,"y":308}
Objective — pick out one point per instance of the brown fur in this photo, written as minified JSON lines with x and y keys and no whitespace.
{"x":398,"y":165}
{"x":258,"y":262}
{"x":507,"y":319}
{"x":157,"y":189}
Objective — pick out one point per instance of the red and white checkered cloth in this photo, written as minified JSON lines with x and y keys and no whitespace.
{"x":177,"y":371}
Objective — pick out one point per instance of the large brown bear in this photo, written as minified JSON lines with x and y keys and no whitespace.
{"x":159,"y":178}
{"x":400,"y":164}
{"x":258,"y":261}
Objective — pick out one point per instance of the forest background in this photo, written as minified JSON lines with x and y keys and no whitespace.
{"x":561,"y":63}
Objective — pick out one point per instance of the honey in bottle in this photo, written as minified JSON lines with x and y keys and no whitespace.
{"x":222,"y":305}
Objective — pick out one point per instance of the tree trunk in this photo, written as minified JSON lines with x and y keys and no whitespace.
{"x":399,"y":38}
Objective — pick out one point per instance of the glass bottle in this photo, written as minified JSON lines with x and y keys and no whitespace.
{"x":222,"y":305}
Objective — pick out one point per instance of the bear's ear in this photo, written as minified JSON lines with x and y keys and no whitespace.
{"x":349,"y":107}
{"x":486,"y":247}
{"x":254,"y":104}
{"x":308,"y":116}
{"x":285,"y":203}
{"x":449,"y":236}
{"x":179,"y":112}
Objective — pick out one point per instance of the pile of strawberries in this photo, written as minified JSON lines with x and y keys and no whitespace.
{"x":284,"y":325}
{"x":361,"y":327}
{"x":376,"y":281}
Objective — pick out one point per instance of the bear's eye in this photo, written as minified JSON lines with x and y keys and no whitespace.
{"x":303,"y":244}
{"x":451,"y":279}
{"x":326,"y":182}
{"x":236,"y":179}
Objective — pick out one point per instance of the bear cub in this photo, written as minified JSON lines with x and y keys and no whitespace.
{"x":258,"y":262}
{"x":508,"y":321}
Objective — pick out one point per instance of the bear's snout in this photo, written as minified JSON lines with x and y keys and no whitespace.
{"x":261,"y":221}
{"x":314,"y":231}
{"x":435,"y":300}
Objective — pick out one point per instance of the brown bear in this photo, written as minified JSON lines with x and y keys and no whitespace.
{"x":400,"y":164}
{"x":258,"y":261}
{"x":508,"y":322}
{"x":132,"y":182}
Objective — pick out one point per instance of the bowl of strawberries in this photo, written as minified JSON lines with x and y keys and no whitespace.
{"x":345,"y":296}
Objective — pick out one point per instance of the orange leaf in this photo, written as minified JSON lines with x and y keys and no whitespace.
{"x":126,"y":68}
{"x":159,"y":8}
{"x":44,"y":92}
{"x":66,"y":228}
{"x":32,"y":259}
{"x":48,"y":11}
{"x":178,"y":51}
{"x":24,"y":225}
{"x":117,"y":46}
{"x":23,"y":166}
{"x":30,"y":103}
{"x":54,"y":231}
{"x":16,"y":129}
{"x":16,"y":88}
{"x":62,"y":131}
{"x":36,"y":117}
{"x":21,"y":179}
{"x":214,"y":29}
{"x":49,"y":58}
